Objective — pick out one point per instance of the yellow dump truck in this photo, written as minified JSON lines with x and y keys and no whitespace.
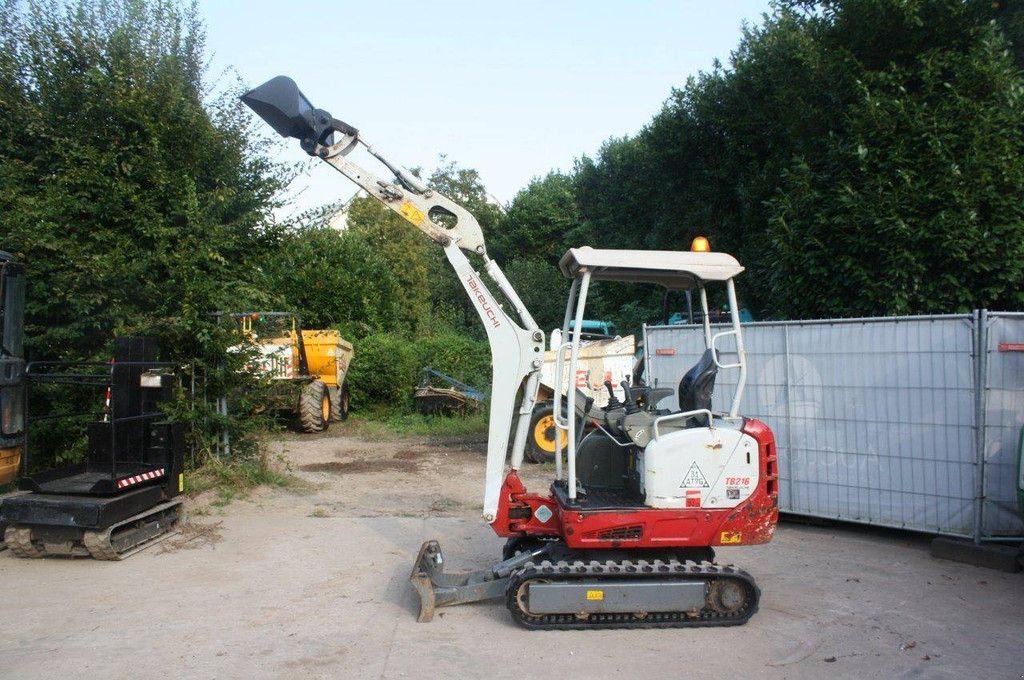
{"x":307,"y":367}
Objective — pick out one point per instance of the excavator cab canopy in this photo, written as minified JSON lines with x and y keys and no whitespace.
{"x":676,"y":270}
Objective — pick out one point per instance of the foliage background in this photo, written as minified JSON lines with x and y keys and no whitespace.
{"x":858,"y":156}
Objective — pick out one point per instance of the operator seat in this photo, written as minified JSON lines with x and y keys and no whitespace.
{"x":697,"y":386}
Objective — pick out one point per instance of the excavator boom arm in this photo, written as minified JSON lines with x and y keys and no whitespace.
{"x":516,"y":348}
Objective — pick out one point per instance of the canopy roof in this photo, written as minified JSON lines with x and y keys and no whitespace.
{"x":676,"y":270}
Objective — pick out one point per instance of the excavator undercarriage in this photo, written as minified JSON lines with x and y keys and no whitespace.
{"x":554,"y":587}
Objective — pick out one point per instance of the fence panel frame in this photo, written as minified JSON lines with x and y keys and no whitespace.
{"x":971,"y":380}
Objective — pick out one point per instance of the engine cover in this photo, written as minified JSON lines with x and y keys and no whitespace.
{"x":700,"y":467}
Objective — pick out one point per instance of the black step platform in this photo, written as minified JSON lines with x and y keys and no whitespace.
{"x":597,"y":499}
{"x":92,"y":479}
{"x":83,"y":512}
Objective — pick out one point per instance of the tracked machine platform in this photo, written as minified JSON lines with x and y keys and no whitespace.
{"x":124,"y":496}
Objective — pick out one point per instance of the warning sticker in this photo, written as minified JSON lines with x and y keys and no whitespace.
{"x":595,"y":594}
{"x":693,"y":498}
{"x":732,"y":494}
{"x":731,"y":537}
{"x":412,"y":213}
{"x":695,"y":479}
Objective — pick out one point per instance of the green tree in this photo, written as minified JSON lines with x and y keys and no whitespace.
{"x":542,"y":288}
{"x":334,"y":280}
{"x":912,"y":204}
{"x":538,"y":221}
{"x":858,"y":156}
{"x":128,"y":200}
{"x":405,"y":250}
{"x":135,"y":207}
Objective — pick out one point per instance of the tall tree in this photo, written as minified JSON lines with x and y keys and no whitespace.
{"x":858,"y":156}
{"x":913,"y":203}
{"x":334,"y":280}
{"x":538,"y":220}
{"x":129,"y":200}
{"x":405,"y":250}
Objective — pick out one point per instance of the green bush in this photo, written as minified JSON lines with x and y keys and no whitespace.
{"x":459,"y":356}
{"x":383,"y":370}
{"x":386,"y":366}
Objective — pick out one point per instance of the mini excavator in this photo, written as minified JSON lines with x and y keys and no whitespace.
{"x":625,"y":536}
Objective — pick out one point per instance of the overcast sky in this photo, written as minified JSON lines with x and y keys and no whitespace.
{"x":512,"y":89}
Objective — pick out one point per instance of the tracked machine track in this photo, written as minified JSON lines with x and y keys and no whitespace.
{"x":116,"y":542}
{"x":19,"y":540}
{"x":612,"y":594}
{"x":126,"y":538}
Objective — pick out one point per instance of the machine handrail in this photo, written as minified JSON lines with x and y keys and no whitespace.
{"x":714,"y":341}
{"x":98,"y":379}
{"x":683,"y":415}
{"x":559,"y":370}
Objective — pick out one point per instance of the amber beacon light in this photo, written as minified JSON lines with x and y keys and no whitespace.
{"x":700,"y":245}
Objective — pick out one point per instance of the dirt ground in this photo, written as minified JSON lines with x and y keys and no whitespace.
{"x":312,"y":582}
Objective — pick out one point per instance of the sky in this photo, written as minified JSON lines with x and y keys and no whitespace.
{"x":511,"y":89}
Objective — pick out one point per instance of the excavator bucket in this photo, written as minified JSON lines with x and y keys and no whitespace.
{"x":438,"y":589}
{"x":282,"y":105}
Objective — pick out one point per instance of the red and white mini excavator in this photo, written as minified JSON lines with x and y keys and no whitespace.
{"x":624,"y":537}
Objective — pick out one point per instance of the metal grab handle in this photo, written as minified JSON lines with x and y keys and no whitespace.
{"x":684,"y":414}
{"x":714,"y":353}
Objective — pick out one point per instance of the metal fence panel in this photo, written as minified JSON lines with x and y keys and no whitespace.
{"x":1004,"y":418}
{"x":874,"y":418}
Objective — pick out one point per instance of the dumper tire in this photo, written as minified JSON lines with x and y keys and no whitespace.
{"x":340,"y":403}
{"x":314,"y":407}
{"x":540,"y":440}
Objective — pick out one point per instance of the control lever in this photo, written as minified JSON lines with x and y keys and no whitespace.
{"x":613,"y":401}
{"x":630,"y":402}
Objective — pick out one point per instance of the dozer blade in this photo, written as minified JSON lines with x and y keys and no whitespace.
{"x":438,"y":589}
{"x":427,"y":563}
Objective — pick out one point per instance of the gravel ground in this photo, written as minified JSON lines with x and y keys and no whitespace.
{"x":312,"y":582}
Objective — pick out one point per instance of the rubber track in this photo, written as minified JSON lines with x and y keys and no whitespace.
{"x":97,"y":543}
{"x":19,"y":540}
{"x":100,"y":547}
{"x":672,"y":570}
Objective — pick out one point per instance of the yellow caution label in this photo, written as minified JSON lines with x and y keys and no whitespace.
{"x":595,"y":594}
{"x":412,"y":213}
{"x":181,"y":482}
{"x":731,"y":537}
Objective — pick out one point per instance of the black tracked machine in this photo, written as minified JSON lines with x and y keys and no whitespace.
{"x":124,"y":495}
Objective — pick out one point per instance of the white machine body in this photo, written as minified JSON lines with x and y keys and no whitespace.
{"x":699,"y":467}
